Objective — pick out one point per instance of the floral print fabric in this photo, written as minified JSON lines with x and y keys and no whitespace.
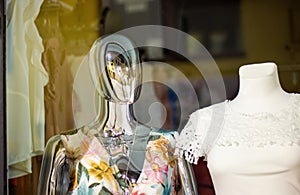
{"x":159,"y":171}
{"x":90,"y":170}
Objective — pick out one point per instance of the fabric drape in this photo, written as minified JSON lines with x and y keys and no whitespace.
{"x":26,"y":78}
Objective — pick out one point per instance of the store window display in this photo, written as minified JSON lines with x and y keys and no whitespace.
{"x":114,"y":154}
{"x":256,"y":151}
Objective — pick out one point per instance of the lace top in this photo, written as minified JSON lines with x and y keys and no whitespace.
{"x":223,"y":126}
{"x":259,"y":149}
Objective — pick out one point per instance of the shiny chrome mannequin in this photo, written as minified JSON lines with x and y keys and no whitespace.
{"x":116,"y":72}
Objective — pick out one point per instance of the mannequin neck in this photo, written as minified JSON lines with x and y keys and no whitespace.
{"x":119,"y":121}
{"x":260,"y":89}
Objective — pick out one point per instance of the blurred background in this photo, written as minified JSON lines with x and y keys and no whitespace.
{"x":235,"y":32}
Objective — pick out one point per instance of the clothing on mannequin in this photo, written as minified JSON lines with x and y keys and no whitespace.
{"x":115,"y":154}
{"x":256,"y":150}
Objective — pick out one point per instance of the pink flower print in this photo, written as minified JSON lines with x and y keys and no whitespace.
{"x":156,"y":170}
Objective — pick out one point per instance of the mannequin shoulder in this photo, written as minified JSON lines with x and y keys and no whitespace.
{"x":58,"y":142}
{"x":52,"y":146}
{"x":191,"y":141}
{"x":159,"y":133}
{"x":199,"y":122}
{"x":208,"y":112}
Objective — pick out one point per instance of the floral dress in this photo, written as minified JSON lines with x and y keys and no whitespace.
{"x":78,"y":163}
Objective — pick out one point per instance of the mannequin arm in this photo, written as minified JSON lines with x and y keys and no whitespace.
{"x":47,"y":165}
{"x":187,"y":177}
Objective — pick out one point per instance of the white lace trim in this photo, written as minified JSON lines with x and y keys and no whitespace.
{"x":187,"y":143}
{"x":257,"y":130}
{"x":194,"y":140}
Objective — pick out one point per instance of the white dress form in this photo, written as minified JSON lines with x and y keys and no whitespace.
{"x":258,"y":156}
{"x":257,"y":150}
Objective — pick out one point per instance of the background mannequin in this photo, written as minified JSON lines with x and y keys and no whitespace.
{"x":256,"y":150}
{"x":115,"y":151}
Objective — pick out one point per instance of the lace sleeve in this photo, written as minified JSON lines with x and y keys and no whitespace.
{"x":200,"y":133}
{"x":191,"y":138}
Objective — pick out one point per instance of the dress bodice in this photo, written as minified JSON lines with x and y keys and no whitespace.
{"x":252,"y":153}
{"x":78,"y":163}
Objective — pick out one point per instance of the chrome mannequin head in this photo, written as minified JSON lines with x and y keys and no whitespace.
{"x":116,"y":72}
{"x":116,"y":69}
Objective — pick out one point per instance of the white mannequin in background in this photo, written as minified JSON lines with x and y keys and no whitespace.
{"x":256,"y":149}
{"x":259,"y":90}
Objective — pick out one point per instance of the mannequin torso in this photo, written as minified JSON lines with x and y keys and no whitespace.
{"x":257,"y":148}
